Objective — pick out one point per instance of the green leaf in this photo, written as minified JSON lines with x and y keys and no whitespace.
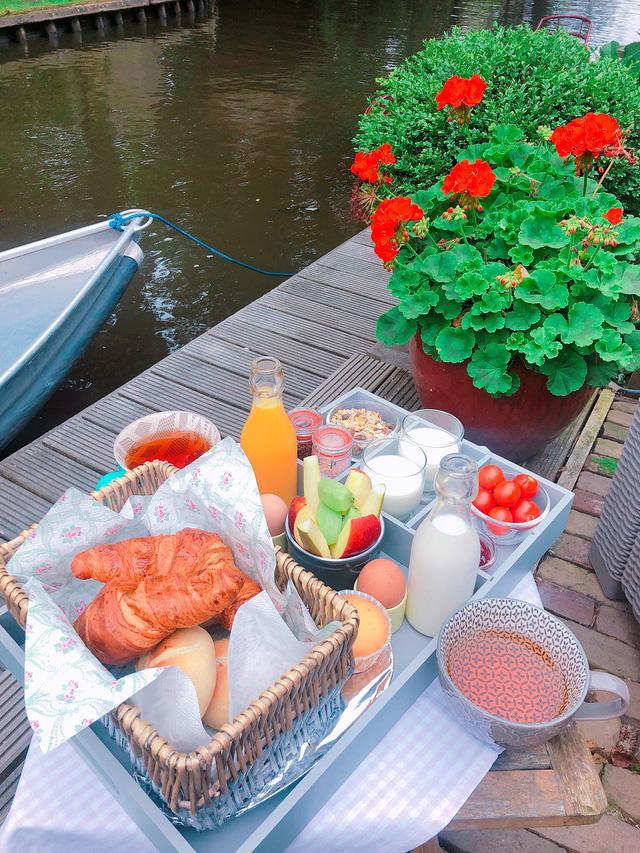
{"x":631,"y":57}
{"x":555,"y":324}
{"x":617,"y":314}
{"x":542,"y":229}
{"x":611,"y":347}
{"x":632,"y":361}
{"x":541,"y":346}
{"x":522,"y":316}
{"x":488,"y":322}
{"x":609,"y":50}
{"x":414,"y":305}
{"x":488,"y":369}
{"x":494,"y":300}
{"x":600,"y":373}
{"x":521,"y":255}
{"x":455,"y":345}
{"x":403,"y":280}
{"x":447,"y":307}
{"x":584,"y":324}
{"x":629,"y":278}
{"x":393,"y":329}
{"x":540,"y":288}
{"x":441,"y":267}
{"x":508,"y":133}
{"x":566,"y":373}
{"x":517,"y":341}
{"x":430,"y":328}
{"x":628,"y":231}
{"x":467,"y":285}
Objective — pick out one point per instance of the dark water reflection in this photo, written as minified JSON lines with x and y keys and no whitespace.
{"x":238,"y":127}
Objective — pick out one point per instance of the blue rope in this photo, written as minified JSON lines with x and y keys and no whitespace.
{"x":118,"y":221}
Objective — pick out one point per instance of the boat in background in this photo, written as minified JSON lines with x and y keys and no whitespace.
{"x":55,"y":295}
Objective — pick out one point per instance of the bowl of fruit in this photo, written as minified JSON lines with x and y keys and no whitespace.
{"x":335,"y":528}
{"x":509,"y":504}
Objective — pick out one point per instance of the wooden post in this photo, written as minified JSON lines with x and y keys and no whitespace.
{"x":119,"y":20}
{"x":52,"y":33}
{"x":141,"y":15}
{"x":100,"y":25}
{"x":191,"y":9}
{"x":76,"y":26}
{"x":162,"y":15}
{"x":21,"y":35}
{"x":201,"y":8}
{"x":177,"y":11}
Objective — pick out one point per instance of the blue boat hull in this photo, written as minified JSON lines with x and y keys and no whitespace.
{"x":28,"y":389}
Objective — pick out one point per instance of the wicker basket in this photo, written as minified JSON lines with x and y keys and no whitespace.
{"x":207,"y":785}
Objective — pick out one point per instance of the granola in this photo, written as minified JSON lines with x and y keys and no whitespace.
{"x":363,"y":424}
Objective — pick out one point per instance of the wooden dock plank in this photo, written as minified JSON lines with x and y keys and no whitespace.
{"x":348,"y":321}
{"x":85,"y":442}
{"x":114,"y":412}
{"x":47,"y":473}
{"x":19,"y":508}
{"x":290,"y":350}
{"x":335,"y":298}
{"x":321,"y":283}
{"x":315,"y":333}
{"x":8,"y":789}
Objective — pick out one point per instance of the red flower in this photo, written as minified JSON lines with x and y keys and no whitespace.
{"x":461,"y":92}
{"x":366,"y":164}
{"x":470,"y":180}
{"x":614,"y":215}
{"x":586,"y":138}
{"x":388,"y":230}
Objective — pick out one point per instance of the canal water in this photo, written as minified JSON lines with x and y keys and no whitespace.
{"x":238,"y":127}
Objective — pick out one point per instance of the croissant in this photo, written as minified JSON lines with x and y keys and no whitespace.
{"x":248,"y":590}
{"x":177,"y":581}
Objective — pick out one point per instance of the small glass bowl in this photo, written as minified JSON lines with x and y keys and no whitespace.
{"x":388,"y":414}
{"x":487,"y":546}
{"x":512,"y":532}
{"x":366,"y":661}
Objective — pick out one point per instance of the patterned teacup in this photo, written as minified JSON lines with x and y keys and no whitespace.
{"x":524,"y":673}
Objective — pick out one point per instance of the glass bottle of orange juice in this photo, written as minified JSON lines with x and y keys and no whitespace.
{"x":268,"y":437}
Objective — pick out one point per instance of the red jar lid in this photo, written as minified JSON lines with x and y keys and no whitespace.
{"x":332,"y":439}
{"x":305,"y":421}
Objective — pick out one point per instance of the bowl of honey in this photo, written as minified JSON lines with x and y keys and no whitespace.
{"x":515,"y":675}
{"x":175,"y":437}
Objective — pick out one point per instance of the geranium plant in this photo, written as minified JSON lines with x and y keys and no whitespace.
{"x":516,"y":255}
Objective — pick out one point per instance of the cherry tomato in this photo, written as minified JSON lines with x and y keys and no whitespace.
{"x":500,"y":513}
{"x":528,"y":485}
{"x":507,"y":493}
{"x":484,"y":501}
{"x":526,"y":510}
{"x":489,"y":476}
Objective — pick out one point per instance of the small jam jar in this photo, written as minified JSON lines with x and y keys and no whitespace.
{"x":304,"y":422}
{"x":332,"y":445}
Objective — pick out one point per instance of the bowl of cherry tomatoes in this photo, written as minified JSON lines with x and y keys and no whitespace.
{"x":509,"y":506}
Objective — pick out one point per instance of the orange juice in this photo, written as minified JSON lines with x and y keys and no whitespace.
{"x":268,"y":437}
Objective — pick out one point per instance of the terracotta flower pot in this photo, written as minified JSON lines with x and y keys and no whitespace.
{"x":515,"y":427}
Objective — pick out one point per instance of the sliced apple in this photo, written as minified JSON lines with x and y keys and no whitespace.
{"x":356,"y":536}
{"x":359,"y":484}
{"x":352,"y":512}
{"x":296,"y":505}
{"x":311,"y":480}
{"x":312,"y":540}
{"x":373,"y":502}
{"x":329,"y":522}
{"x":305,"y":514}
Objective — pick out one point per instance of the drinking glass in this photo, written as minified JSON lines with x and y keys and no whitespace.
{"x":438,"y":434}
{"x":398,"y":463}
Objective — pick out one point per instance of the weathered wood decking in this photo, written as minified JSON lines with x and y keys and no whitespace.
{"x":319,"y":323}
{"x":100,"y":15}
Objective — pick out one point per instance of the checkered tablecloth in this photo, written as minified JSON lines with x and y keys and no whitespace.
{"x":408,"y":789}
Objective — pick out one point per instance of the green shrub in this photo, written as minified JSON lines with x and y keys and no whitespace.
{"x":534,"y":78}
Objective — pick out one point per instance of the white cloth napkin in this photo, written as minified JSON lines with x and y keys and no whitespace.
{"x":407,"y":790}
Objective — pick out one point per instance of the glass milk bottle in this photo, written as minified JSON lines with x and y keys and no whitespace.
{"x":268,"y":437}
{"x":445,"y":553}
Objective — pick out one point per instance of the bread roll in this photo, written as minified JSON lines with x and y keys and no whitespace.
{"x":217,"y":714}
{"x":193,"y":651}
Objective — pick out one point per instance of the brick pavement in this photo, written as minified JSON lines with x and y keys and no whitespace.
{"x":611,"y":638}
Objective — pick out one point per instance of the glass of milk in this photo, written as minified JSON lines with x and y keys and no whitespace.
{"x":438,"y":434}
{"x":399,"y":464}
